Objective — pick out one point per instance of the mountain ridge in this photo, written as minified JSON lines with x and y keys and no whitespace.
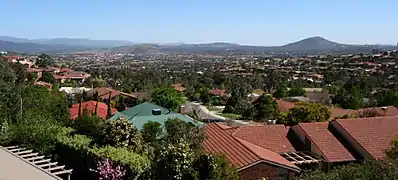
{"x":83,"y":42}
{"x":314,"y":44}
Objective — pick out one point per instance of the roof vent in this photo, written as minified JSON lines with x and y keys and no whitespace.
{"x":156,"y":112}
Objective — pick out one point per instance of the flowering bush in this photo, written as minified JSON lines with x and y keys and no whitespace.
{"x":121,"y":133}
{"x":106,"y":171}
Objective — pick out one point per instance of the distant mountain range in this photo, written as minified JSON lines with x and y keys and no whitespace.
{"x":309,"y":45}
{"x":78,"y":42}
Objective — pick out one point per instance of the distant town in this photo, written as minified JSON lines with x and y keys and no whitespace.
{"x":221,"y":111}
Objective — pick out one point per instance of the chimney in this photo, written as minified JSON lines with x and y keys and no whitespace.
{"x":156,"y":112}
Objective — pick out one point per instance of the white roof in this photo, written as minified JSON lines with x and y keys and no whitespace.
{"x":74,"y":90}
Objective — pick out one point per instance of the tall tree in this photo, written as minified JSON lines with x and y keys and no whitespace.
{"x":305,"y":112}
{"x":47,"y":77}
{"x":296,"y":91}
{"x":266,"y":107}
{"x":44,"y":60}
{"x":281,"y":92}
{"x":168,"y":98}
{"x":238,"y":101}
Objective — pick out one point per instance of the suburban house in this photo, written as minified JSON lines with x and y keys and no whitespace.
{"x":340,"y":112}
{"x":147,"y":111}
{"x":178,"y":87}
{"x":44,"y":84}
{"x":103,"y":94}
{"x":74,"y":90}
{"x":90,"y":107}
{"x":74,"y":75}
{"x":248,"y":154}
{"x":218,"y":92}
{"x":38,"y":72}
{"x":278,"y":152}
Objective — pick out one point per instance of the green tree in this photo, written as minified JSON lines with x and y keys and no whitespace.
{"x":281,"y":92}
{"x":174,"y":162}
{"x":214,"y":167}
{"x":88,"y":124}
{"x":44,"y":60}
{"x":387,"y":98}
{"x":151,"y":132}
{"x":47,"y":77}
{"x":266,"y":108}
{"x":238,"y":101}
{"x":32,"y":77}
{"x":9,"y":94}
{"x":370,"y":170}
{"x":296,"y":91}
{"x":121,"y":133}
{"x":177,"y":130}
{"x":306,"y":112}
{"x":349,"y":99}
{"x":392,"y":152}
{"x":168,"y":98}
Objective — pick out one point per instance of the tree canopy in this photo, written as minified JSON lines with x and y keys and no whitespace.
{"x":168,"y":98}
{"x":305,"y":112}
{"x":44,"y":60}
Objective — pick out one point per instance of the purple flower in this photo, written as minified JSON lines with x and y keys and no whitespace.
{"x":107,"y":171}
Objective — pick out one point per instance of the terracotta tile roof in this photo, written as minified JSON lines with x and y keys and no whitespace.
{"x":102,"y":111}
{"x":218,"y":92}
{"x":285,"y":105}
{"x":33,"y":70}
{"x":328,"y":145}
{"x":65,"y":70}
{"x":386,"y":111}
{"x":178,"y":87}
{"x":103,"y":92}
{"x":277,"y":137}
{"x":219,"y":139}
{"x":141,"y":95}
{"x":339,"y":112}
{"x":373,"y":134}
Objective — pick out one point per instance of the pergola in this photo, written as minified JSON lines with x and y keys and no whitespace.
{"x":23,"y":157}
{"x":299,"y":157}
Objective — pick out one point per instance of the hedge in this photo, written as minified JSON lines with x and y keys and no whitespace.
{"x":80,"y":154}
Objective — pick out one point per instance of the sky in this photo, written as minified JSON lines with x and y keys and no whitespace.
{"x":250,"y":22}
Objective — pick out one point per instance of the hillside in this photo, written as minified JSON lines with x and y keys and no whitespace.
{"x":306,"y":46}
{"x":34,"y":47}
{"x":69,"y":42}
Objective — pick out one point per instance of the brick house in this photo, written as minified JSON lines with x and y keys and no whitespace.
{"x":252,"y":161}
{"x":279,"y":152}
{"x":89,"y":106}
{"x":345,"y":141}
{"x":178,"y":87}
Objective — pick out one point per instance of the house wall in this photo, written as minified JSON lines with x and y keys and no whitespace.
{"x":262,"y":170}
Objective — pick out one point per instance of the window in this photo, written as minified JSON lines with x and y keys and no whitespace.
{"x":283,"y":174}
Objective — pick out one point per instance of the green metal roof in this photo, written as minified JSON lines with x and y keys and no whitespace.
{"x":139,"y":121}
{"x":144,"y":109}
{"x":142,"y":113}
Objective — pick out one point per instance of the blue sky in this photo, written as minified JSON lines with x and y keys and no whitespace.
{"x":255,"y":22}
